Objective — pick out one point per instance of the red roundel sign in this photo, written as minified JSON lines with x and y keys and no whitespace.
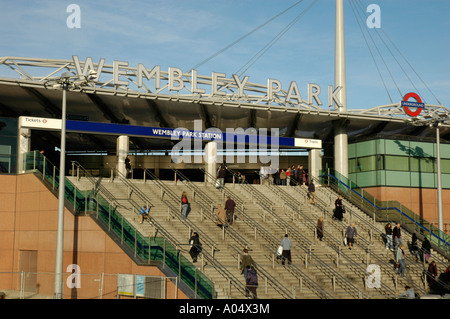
{"x":407,"y":104}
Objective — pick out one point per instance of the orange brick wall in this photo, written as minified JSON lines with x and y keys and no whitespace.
{"x":28,"y":221}
{"x":422,"y":201}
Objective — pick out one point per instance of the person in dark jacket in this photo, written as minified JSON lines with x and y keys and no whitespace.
{"x":339,"y":209}
{"x":426,"y":250}
{"x":320,"y":228}
{"x":397,"y":236}
{"x":229,"y":208}
{"x":246,"y":262}
{"x":251,"y":283}
{"x":312,"y":193}
{"x":196,"y":246}
{"x":128,"y":166}
{"x":414,"y":246}
{"x":432,"y":275}
{"x":388,"y":230}
{"x":221,"y":172}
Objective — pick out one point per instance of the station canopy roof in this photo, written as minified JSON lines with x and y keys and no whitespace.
{"x":32,"y":98}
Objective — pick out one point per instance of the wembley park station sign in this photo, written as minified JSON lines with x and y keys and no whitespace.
{"x":155,"y":80}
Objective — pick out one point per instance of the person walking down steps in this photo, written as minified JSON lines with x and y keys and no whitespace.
{"x":286,"y":244}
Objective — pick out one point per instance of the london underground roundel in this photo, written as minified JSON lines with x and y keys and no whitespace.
{"x":417,"y":104}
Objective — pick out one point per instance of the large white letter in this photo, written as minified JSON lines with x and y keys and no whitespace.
{"x":175,"y":75}
{"x":195,"y":89}
{"x":240,"y":84}
{"x":332,"y":96}
{"x":117,"y":73}
{"x":216,"y":82}
{"x":313,"y":94}
{"x":156,"y":72}
{"x":88,"y":65}
{"x":293,"y":93}
{"x":271,"y":90}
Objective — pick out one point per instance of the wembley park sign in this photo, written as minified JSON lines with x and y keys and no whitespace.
{"x":121,"y":75}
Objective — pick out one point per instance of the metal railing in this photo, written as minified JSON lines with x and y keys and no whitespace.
{"x":335,"y":242}
{"x":99,"y":204}
{"x":172,"y":198}
{"x":205,"y":200}
{"x":272,"y":241}
{"x":387,"y":210}
{"x":80,"y":285}
{"x":304,"y":243}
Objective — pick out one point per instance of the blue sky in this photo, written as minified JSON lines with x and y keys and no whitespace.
{"x":183,"y":33}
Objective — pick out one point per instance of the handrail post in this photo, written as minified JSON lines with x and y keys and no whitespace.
{"x":164,"y":254}
{"x":195,"y":282}
{"x":333,"y":281}
{"x":43,"y":169}
{"x":54,"y":180}
{"x":75,"y":198}
{"x":338,"y":256}
{"x":135,"y":241}
{"x":122,"y":231}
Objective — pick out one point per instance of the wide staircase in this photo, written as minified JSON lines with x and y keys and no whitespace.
{"x":264,"y":214}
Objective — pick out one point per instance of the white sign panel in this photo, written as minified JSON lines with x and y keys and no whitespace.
{"x":308,"y":143}
{"x":39,"y":123}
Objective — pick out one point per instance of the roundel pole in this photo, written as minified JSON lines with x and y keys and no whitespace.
{"x":340,"y":131}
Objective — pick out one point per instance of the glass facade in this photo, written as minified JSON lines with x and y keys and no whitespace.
{"x":385,"y":162}
{"x":8,"y":145}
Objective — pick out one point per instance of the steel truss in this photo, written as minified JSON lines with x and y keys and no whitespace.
{"x":250,"y":95}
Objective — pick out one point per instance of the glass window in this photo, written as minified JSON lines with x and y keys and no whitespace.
{"x":380,"y":162}
{"x":365,"y":164}
{"x":352,"y":165}
{"x":396,"y":163}
{"x":445,"y":166}
{"x":422,"y":164}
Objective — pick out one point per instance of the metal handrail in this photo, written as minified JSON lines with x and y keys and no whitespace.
{"x":104,"y":191}
{"x":266,"y":204}
{"x":271,"y":239}
{"x":411,"y":264}
{"x":275,"y":283}
{"x":445,"y":243}
{"x":208,"y":202}
{"x":110,"y":200}
{"x":333,"y":241}
{"x":236,"y":235}
{"x":211,"y":259}
{"x":165,"y":234}
{"x":173,"y":210}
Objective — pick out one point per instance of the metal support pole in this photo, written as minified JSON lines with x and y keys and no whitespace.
{"x":58,"y":288}
{"x":439,"y":182}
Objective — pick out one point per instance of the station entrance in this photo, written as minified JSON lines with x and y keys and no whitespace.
{"x":252,"y":152}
